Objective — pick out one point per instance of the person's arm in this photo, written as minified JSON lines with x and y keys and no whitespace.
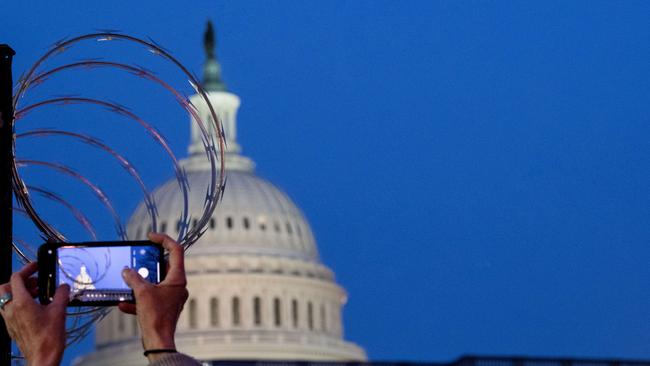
{"x":39,"y":330}
{"x":158,"y":307}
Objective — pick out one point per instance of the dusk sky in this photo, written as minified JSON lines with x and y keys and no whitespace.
{"x":476,"y":173}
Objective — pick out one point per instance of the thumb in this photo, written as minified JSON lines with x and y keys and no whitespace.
{"x":133,"y":279}
{"x":62,"y":295}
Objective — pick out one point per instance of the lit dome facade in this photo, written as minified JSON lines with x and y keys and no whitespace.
{"x":258,"y":290}
{"x":254,"y":217}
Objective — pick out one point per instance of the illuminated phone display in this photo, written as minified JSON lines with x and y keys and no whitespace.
{"x":94,"y":271}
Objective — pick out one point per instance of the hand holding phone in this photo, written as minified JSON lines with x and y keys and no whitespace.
{"x":39,"y":330}
{"x":93,"y":270}
{"x":158,"y":307}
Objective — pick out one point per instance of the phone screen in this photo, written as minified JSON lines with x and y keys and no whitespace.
{"x":94,"y":273}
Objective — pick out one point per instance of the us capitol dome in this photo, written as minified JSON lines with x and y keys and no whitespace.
{"x":258,"y":290}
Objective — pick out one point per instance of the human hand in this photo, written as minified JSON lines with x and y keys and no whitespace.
{"x":39,"y":330}
{"x":158,"y":307}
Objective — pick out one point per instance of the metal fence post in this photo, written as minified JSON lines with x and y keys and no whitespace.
{"x":6,"y":196}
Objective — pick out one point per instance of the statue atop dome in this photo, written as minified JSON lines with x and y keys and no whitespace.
{"x":211,"y":69}
{"x":209,"y":41}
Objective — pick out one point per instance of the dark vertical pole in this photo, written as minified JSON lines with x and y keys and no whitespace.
{"x":6,"y":217}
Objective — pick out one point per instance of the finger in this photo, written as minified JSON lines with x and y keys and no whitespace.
{"x":126,"y":307}
{"x":32,"y":286}
{"x":61,"y":296}
{"x":28,"y":270}
{"x":31,"y":283}
{"x":18,"y":280}
{"x":176,"y":269}
{"x":133,"y":279}
{"x":4,"y":288}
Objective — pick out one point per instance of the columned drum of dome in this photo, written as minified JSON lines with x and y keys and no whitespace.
{"x":258,"y":290}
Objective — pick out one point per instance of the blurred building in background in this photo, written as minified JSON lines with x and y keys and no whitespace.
{"x":258,"y":290}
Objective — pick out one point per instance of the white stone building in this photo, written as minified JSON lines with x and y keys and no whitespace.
{"x":258,"y":290}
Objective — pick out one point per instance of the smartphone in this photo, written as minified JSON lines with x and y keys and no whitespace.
{"x":93,"y":270}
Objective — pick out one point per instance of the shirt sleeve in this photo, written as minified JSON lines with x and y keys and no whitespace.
{"x":175,"y":359}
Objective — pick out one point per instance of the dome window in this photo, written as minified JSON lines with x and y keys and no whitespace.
{"x":289,"y":231}
{"x":294,"y":312}
{"x":257,"y":310}
{"x":298,"y":231}
{"x":277,"y":312}
{"x":236,"y":314}
{"x":277,"y":227}
{"x":120,"y":322}
{"x":213,"y":223}
{"x":261,"y":222}
{"x":138,"y":233}
{"x":194,"y":223}
{"x":229,"y":222}
{"x":163,"y":227}
{"x":247,"y":223}
{"x":214,"y":312}
{"x":134,"y":326}
{"x":192,"y":313}
{"x":323,"y":323}
{"x":211,"y":124}
{"x":310,"y":315}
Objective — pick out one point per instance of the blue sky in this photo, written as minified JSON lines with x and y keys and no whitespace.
{"x":475,"y":172}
